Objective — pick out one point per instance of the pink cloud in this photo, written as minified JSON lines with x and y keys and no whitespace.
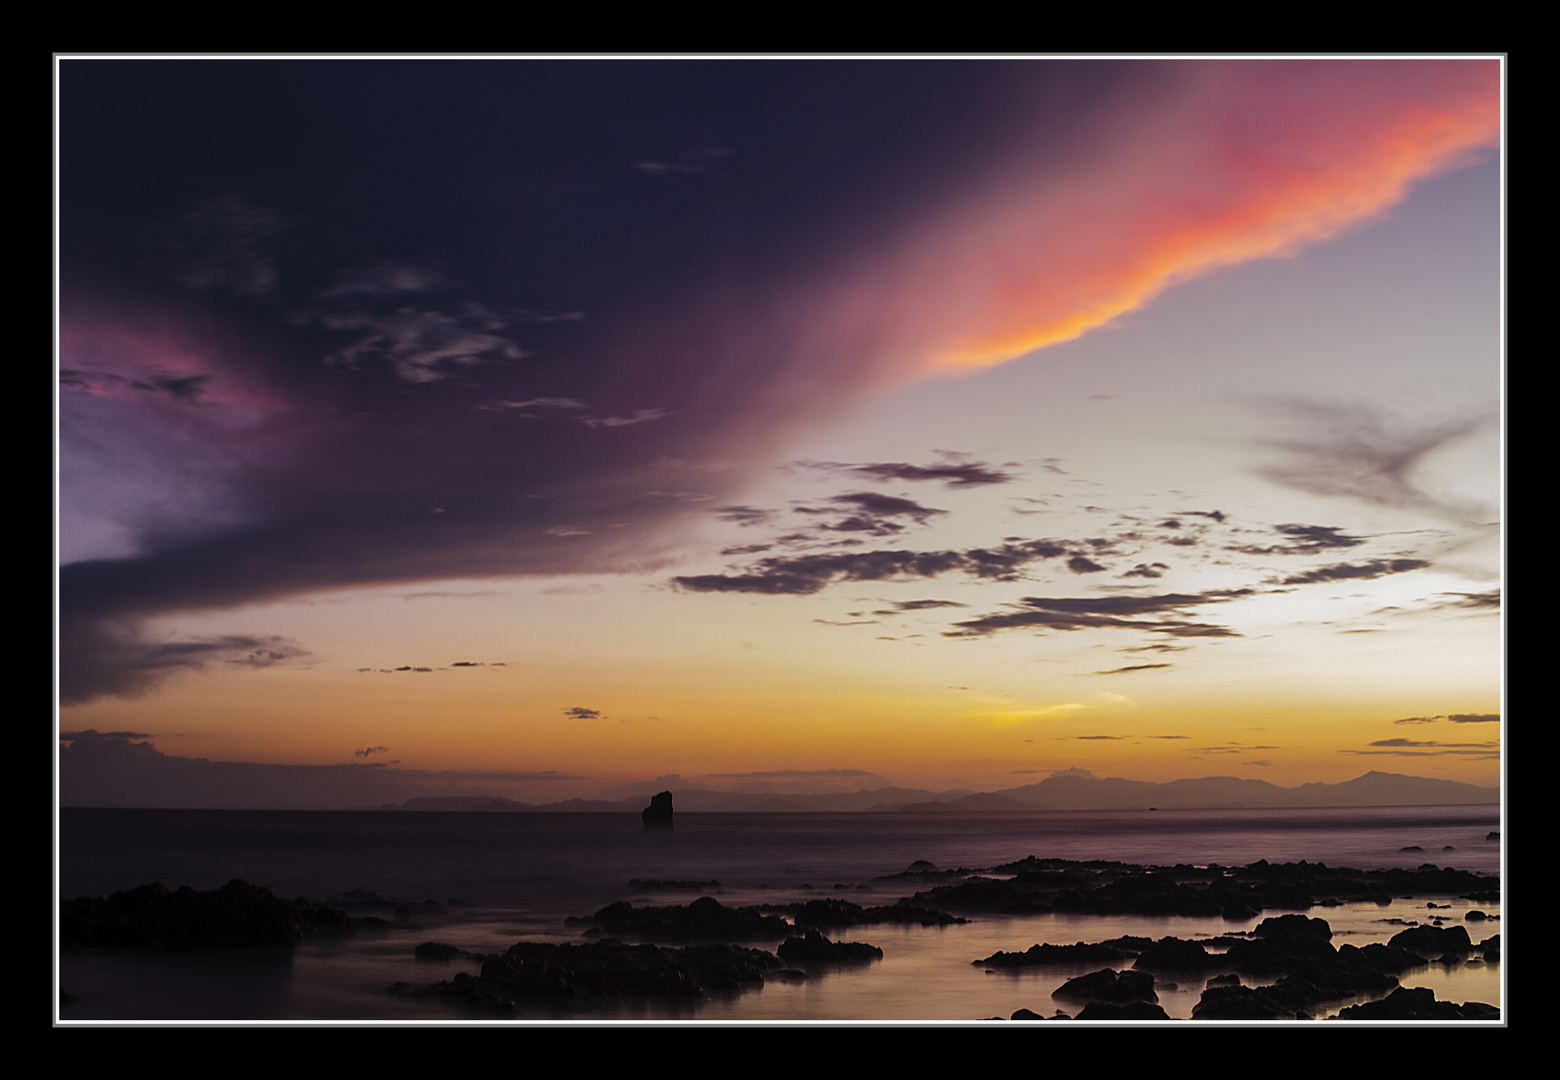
{"x":1228,"y":162}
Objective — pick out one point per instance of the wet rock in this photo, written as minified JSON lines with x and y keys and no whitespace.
{"x":603,"y":972}
{"x":1106,"y":888}
{"x":1134,"y":1010}
{"x":706,"y":919}
{"x":1246,"y":1003}
{"x":813,"y":947}
{"x":1298,"y":926}
{"x":1175,"y":954}
{"x":1238,"y":910}
{"x":1433,"y":940}
{"x":1044,"y":955}
{"x":237,"y":915}
{"x":1385,"y":958}
{"x":1006,"y":897}
{"x":1418,"y":1004}
{"x":832,"y":912}
{"x":1109,"y":985}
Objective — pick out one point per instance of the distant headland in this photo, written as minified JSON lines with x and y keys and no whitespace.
{"x":1069,"y":792}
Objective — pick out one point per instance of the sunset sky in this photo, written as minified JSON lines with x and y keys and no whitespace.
{"x":792,"y":425}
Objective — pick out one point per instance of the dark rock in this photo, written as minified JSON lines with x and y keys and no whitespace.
{"x":1475,"y":916}
{"x":1433,"y":940}
{"x":1244,"y":1003}
{"x":1107,"y":888}
{"x":813,"y":947}
{"x":1133,"y":1010}
{"x":151,"y":917}
{"x":1286,"y":896}
{"x":1109,"y":985}
{"x":987,"y":894}
{"x":602,"y":972}
{"x":706,"y":919}
{"x":831,"y":912}
{"x":1386,"y":958}
{"x":1026,"y":1014}
{"x":1418,"y":1004}
{"x":1174,"y":954}
{"x":658,"y":815}
{"x":435,"y":950}
{"x":1277,"y":954}
{"x":1237,"y":910}
{"x":1046,"y":955}
{"x":1294,"y":926}
{"x":1310,"y":972}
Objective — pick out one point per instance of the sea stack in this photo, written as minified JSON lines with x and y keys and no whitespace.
{"x":658,"y":815}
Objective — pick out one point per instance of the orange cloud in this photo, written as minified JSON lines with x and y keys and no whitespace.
{"x":1234,"y":161}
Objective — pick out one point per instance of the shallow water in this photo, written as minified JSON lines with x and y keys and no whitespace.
{"x":518,"y":876}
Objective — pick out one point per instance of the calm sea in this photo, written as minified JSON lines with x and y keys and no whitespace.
{"x":502,"y":877}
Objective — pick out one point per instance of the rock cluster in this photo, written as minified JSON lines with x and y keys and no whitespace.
{"x":706,"y":919}
{"x":813,"y":947}
{"x":832,"y":913}
{"x":1292,"y":955}
{"x":601,"y":972}
{"x":1038,"y":886}
{"x":154,"y":917}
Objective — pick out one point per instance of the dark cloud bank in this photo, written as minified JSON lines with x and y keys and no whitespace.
{"x":310,"y":362}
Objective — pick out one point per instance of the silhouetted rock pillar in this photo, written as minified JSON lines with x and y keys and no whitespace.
{"x":658,"y":815}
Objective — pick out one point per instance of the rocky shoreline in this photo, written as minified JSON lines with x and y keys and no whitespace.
{"x":1287,"y":967}
{"x":1294,"y":950}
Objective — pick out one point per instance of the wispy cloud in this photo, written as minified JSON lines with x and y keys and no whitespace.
{"x":128,"y":666}
{"x":383,"y":280}
{"x":1303,"y":540}
{"x":806,"y":574}
{"x":1105,"y":612}
{"x":955,"y":471}
{"x":420,"y":345}
{"x":226,"y":243}
{"x":1369,"y":456}
{"x":1356,"y":571}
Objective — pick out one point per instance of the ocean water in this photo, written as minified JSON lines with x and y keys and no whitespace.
{"x":500,"y":878}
